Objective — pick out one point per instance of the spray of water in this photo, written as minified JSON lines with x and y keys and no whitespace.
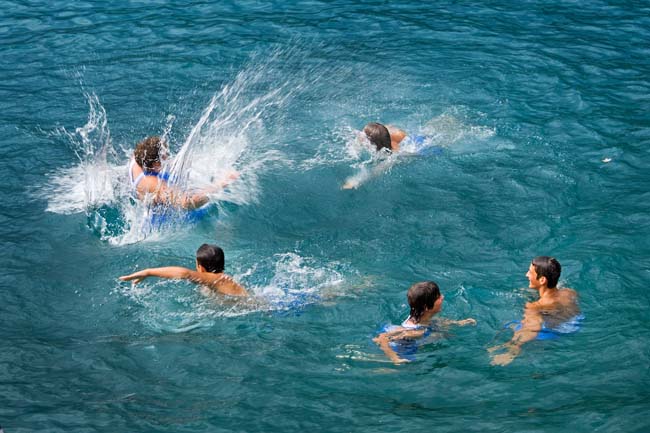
{"x":447,"y":131}
{"x":233,"y":137}
{"x":287,"y":282}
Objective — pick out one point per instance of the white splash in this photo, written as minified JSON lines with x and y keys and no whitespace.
{"x":233,"y":138}
{"x":289,"y":282}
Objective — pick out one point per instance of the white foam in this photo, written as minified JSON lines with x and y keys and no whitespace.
{"x":232,"y":134}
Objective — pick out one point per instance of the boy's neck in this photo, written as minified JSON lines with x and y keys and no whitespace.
{"x":547,"y":292}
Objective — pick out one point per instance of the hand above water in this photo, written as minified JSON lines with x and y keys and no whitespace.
{"x":230,"y":176}
{"x":136,"y":277}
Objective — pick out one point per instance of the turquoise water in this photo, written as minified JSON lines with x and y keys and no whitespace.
{"x":541,"y":109}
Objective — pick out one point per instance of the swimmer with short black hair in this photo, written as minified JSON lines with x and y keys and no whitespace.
{"x":554,"y":308}
{"x":425,"y":301}
{"x":210,"y":263}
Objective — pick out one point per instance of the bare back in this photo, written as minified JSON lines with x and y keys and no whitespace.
{"x":556,"y":308}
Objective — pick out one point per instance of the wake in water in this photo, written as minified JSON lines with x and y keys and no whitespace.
{"x":285,"y":283}
{"x":444,"y":133}
{"x":233,"y":133}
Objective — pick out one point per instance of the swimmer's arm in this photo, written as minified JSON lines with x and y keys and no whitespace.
{"x":530,"y":327}
{"x":400,"y":334}
{"x":222,"y":283}
{"x":464,"y":322}
{"x":165,"y":195}
{"x":174,"y":197}
{"x":363,"y":176}
{"x":168,"y":272}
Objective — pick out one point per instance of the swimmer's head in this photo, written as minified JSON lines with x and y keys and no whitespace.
{"x":150,"y":152}
{"x":378,"y":135}
{"x":211,"y":258}
{"x":422,"y":297}
{"x":549,"y":268}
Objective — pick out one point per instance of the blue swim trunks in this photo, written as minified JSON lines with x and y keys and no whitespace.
{"x":420,"y":145}
{"x":570,"y":326}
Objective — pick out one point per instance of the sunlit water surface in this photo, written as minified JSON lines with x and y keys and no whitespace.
{"x":541,"y":111}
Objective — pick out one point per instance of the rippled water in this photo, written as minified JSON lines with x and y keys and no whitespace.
{"x":541,"y":109}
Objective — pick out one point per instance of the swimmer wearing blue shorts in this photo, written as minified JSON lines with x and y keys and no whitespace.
{"x":399,"y":343}
{"x":148,"y":180}
{"x":556,"y":312}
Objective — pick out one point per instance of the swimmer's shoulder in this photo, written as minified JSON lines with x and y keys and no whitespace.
{"x":569,"y":300}
{"x":222,"y":283}
{"x":396,"y":136}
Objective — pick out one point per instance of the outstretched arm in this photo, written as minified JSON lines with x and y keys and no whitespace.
{"x":464,"y":322}
{"x":365,"y":175}
{"x":175,"y":197}
{"x":530,"y":327}
{"x":221,"y":282}
{"x":172,"y":272}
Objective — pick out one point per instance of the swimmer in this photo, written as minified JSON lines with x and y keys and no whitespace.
{"x":384,"y":136}
{"x":146,"y":177}
{"x":390,"y":140}
{"x":425,"y":301}
{"x":553,"y":308}
{"x":209,"y":272}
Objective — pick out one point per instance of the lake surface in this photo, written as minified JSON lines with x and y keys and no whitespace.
{"x":541,"y":111}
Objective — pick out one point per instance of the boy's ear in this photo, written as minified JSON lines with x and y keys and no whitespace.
{"x":543,"y":280}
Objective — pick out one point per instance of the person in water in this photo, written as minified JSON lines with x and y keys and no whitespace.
{"x":389,"y":139}
{"x":210,"y":263}
{"x":425,"y":301}
{"x":147,"y":179}
{"x":384,"y":136}
{"x":554,"y":308}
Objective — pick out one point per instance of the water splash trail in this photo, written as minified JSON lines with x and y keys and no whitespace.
{"x":234,"y":133}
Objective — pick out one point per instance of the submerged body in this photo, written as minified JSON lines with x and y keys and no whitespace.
{"x":400,"y":343}
{"x":556,"y":308}
{"x":392,"y":141}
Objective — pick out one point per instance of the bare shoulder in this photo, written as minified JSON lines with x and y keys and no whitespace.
{"x":568,"y":294}
{"x":396,"y":134}
{"x":149,"y":184}
{"x":222,"y":283}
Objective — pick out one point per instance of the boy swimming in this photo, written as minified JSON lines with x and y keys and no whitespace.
{"x":384,"y":136}
{"x":425,"y":301}
{"x":210,"y":263}
{"x":389,"y":140}
{"x":555,"y":312}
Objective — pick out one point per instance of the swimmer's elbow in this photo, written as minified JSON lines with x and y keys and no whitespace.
{"x":194,"y":201}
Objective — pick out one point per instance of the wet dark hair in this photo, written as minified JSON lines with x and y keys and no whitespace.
{"x":378,"y":135}
{"x":548,"y":267}
{"x":147,"y":152}
{"x":211,"y":258}
{"x":422,"y":296}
